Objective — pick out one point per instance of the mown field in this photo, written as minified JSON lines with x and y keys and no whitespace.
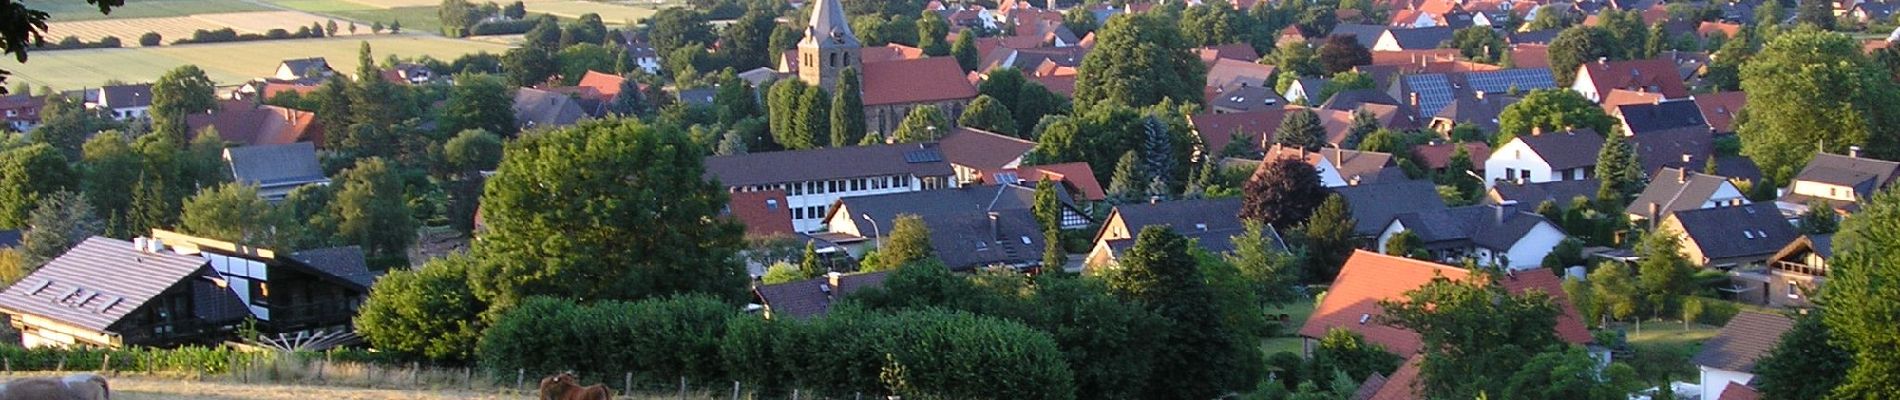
{"x":414,"y":18}
{"x":226,"y":63}
{"x":612,"y":14}
{"x":78,"y":10}
{"x":128,"y":30}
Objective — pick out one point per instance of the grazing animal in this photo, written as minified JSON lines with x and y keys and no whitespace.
{"x":565,"y":386}
{"x":70,"y":387}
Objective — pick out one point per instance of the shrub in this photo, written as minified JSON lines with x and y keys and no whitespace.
{"x":150,"y":39}
{"x":656,"y":340}
{"x":502,"y":27}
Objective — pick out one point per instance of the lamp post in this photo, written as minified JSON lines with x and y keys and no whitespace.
{"x":876,"y":235}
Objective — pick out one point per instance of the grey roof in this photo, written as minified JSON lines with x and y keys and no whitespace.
{"x":1421,"y":38}
{"x":1213,"y":241}
{"x":127,"y":96}
{"x":346,"y":263}
{"x":971,"y":240}
{"x":1567,"y":149}
{"x":99,"y":282}
{"x":1183,"y":215}
{"x":808,"y":298}
{"x":1531,"y":194}
{"x":884,"y":208}
{"x":1822,"y":245}
{"x":9,"y":238}
{"x":1743,"y":231}
{"x":1684,"y":147}
{"x":541,"y":108}
{"x":1249,"y":98}
{"x":1480,"y":111}
{"x":275,"y":168}
{"x":1533,"y":37}
{"x":1642,"y":118}
{"x":305,"y":66}
{"x":1676,"y":189}
{"x":1374,"y":206}
{"x":1744,"y":340}
{"x":829,"y":28}
{"x":1350,"y":100}
{"x":1865,"y":175}
{"x":698,"y":96}
{"x":1368,"y":35}
{"x":1489,"y":226}
{"x":921,"y":159}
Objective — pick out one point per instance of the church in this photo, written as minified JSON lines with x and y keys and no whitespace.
{"x":892,"y":84}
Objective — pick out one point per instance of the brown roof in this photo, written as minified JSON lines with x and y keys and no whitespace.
{"x":1738,"y":391}
{"x":1368,"y":278}
{"x":1620,"y":97}
{"x":1229,"y":73}
{"x":1216,"y":130}
{"x":99,"y":282}
{"x":1413,"y":57}
{"x":1654,"y":75}
{"x":812,"y":297}
{"x":890,"y":52}
{"x":248,"y":123}
{"x":1531,"y":55}
{"x":1063,"y":85}
{"x":1719,"y":108}
{"x":1745,"y":339}
{"x":1078,"y":175}
{"x":1231,"y":51}
{"x":983,"y":150}
{"x":915,"y":81}
{"x":1438,"y":155}
{"x":1710,"y":27}
{"x":1402,"y":385}
{"x":1351,"y":164}
{"x":764,"y":213}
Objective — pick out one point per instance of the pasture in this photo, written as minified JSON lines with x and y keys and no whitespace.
{"x":225,"y":63}
{"x":174,"y":28}
{"x":77,"y":10}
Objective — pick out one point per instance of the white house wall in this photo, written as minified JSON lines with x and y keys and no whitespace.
{"x":1585,"y":86}
{"x":1519,"y":157}
{"x":1529,"y":251}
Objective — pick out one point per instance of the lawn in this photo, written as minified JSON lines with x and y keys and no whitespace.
{"x":1290,"y":339}
{"x":226,"y":63}
{"x":77,"y":10}
{"x":1663,"y":348}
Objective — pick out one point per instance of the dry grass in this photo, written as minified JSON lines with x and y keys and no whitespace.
{"x":174,"y":28}
{"x":225,"y":63}
{"x":611,"y":13}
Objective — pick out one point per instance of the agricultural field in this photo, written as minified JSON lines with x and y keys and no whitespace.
{"x":225,"y":63}
{"x":77,"y":10}
{"x":174,"y":28}
{"x":414,"y":18}
{"x":611,"y":13}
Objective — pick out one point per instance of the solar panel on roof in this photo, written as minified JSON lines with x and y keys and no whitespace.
{"x":922,"y":156}
{"x":1434,"y":92}
{"x":1525,"y":79}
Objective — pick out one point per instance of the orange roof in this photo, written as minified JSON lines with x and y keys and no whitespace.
{"x":1077,"y":175}
{"x":764,"y":213}
{"x":889,"y":52}
{"x":1413,"y":57}
{"x":250,"y":124}
{"x":1531,"y":56}
{"x":1709,"y":27}
{"x":1438,"y":7}
{"x":1652,"y":75}
{"x":1401,"y":385}
{"x":272,"y":89}
{"x":1404,"y":17}
{"x":1217,"y":130}
{"x":1618,"y":97}
{"x":1368,"y":278}
{"x":1719,"y":108}
{"x":915,"y":81}
{"x":1060,"y":84}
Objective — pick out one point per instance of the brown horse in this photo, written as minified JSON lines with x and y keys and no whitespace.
{"x":71,"y":387}
{"x":565,"y":386}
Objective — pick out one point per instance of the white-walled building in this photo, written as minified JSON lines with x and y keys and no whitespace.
{"x":814,"y":179}
{"x":1547,"y":157}
{"x":1492,"y":235}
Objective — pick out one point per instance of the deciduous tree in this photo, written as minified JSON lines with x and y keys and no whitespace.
{"x":1817,"y":92}
{"x":427,"y":312}
{"x":1200,"y":357}
{"x":1138,"y":60}
{"x":988,"y":114}
{"x":481,"y":102}
{"x":1859,"y":301}
{"x":1551,"y":111}
{"x":925,"y":123}
{"x":1282,"y":193}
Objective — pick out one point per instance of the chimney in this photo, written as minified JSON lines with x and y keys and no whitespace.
{"x":995,"y":233}
{"x":1601,"y":60}
{"x":832,"y":277}
{"x":1414,"y":99}
{"x":1853,"y":151}
{"x":1655,"y":211}
{"x":138,"y":243}
{"x":1686,"y":158}
{"x":1682,"y":174}
{"x":1502,"y":209}
{"x":1536,"y":130}
{"x":1479,"y":94}
{"x":154,"y":245}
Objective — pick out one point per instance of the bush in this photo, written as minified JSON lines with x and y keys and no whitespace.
{"x":929,"y":353}
{"x":502,"y":27}
{"x":658,"y":340}
{"x":150,"y":39}
{"x":184,"y":360}
{"x":110,"y":42}
{"x":73,"y":42}
{"x":427,"y":312}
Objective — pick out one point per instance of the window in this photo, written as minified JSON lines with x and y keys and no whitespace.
{"x":798,"y":213}
{"x":1524,"y":174}
{"x":1794,"y":290}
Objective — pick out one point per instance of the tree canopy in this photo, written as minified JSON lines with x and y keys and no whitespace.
{"x":1815,"y":91}
{"x":1138,"y":60}
{"x":1552,"y":110}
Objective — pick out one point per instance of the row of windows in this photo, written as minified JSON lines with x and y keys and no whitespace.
{"x":832,"y":186}
{"x":809,"y":212}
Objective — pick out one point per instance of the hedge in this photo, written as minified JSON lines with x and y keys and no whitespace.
{"x":502,"y":27}
{"x":185,"y":360}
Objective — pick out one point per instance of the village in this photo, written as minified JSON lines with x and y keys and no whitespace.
{"x":726,"y":199}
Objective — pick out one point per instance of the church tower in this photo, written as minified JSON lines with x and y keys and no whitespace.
{"x":828,"y":46}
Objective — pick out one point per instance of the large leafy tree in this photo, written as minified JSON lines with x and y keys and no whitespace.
{"x":1475,"y":334}
{"x":62,"y":220}
{"x":745,"y":43}
{"x":1268,"y":270}
{"x":1341,"y":53}
{"x":1663,"y":275}
{"x":782,"y":105}
{"x":674,"y":28}
{"x":735,"y":100}
{"x":1479,"y":43}
{"x":558,"y":227}
{"x":1575,"y":46}
{"x":932,"y":33}
{"x":66,"y":123}
{"x":1627,"y":33}
{"x":528,"y":65}
{"x":1301,"y":128}
{"x":988,"y":113}
{"x":1860,"y":301}
{"x":1329,"y":238}
{"x":964,"y":50}
{"x":1551,"y":110}
{"x":1138,"y":60}
{"x":479,"y":101}
{"x":179,"y":93}
{"x":575,"y":60}
{"x":372,"y":210}
{"x":847,"y":110}
{"x":1215,"y":24}
{"x":1200,"y":357}
{"x":428,"y":312}
{"x":1570,"y":373}
{"x":28,"y":174}
{"x":1125,"y":185}
{"x":1345,"y":351}
{"x":1815,"y":91}
{"x":1805,"y":363}
{"x":924,"y":124}
{"x":1613,"y":290}
{"x":814,"y":115}
{"x":1282,"y":193}
{"x":909,"y":242}
{"x":233,"y":212}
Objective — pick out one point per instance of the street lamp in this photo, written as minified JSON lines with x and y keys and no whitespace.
{"x":877,"y":236}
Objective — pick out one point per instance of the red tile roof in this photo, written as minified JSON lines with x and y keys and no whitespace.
{"x":1710,"y":27}
{"x":1531,"y":56}
{"x":1737,"y":391}
{"x":1231,"y":51}
{"x":1217,"y":130}
{"x":1652,"y":75}
{"x":889,"y":52}
{"x":1368,"y":278}
{"x":915,"y":81}
{"x":1077,"y":175}
{"x":1437,"y":156}
{"x":983,"y":150}
{"x":242,"y":121}
{"x":1413,"y":57}
{"x":605,"y":85}
{"x":764,"y":213}
{"x":1719,"y":108}
{"x":1063,"y":85}
{"x":1618,"y":97}
{"x":1402,"y":385}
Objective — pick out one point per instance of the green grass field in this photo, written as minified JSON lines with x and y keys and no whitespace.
{"x":226,"y":63}
{"x":1289,"y":341}
{"x":79,"y":10}
{"x":419,"y":19}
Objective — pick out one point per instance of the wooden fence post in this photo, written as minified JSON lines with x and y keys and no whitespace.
{"x":626,"y":385}
{"x":520,"y":373}
{"x":682,"y":387}
{"x":415,"y":373}
{"x":468,"y":378}
{"x":321,"y":365}
{"x":735,"y":390}
{"x":62,"y":364}
{"x":105,"y":366}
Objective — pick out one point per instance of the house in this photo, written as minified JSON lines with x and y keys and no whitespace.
{"x":639,"y":50}
{"x":1643,"y":118}
{"x":1793,"y":275}
{"x":1476,"y":109}
{"x":1213,"y":222}
{"x":1534,"y":194}
{"x":1075,"y":178}
{"x":970,"y":227}
{"x":276,"y":169}
{"x":1375,"y":206}
{"x":1302,"y":90}
{"x":1244,"y":99}
{"x":812,"y":298}
{"x":409,"y":73}
{"x":1413,"y":38}
{"x":764,"y":213}
{"x":1368,"y":35}
{"x":10,"y":238}
{"x":1340,"y":167}
{"x":536,"y":108}
{"x":1429,"y":93}
{"x":1619,"y":97}
{"x":174,"y":289}
{"x":1229,"y":74}
{"x":1492,"y":235}
{"x":21,"y":112}
{"x":1738,"y":237}
{"x":1437,"y":156}
{"x":891,"y":89}
{"x":605,"y":86}
{"x":1242,"y":52}
{"x":1719,"y":109}
{"x":1871,"y":12}
{"x":121,"y":102}
{"x":1243,"y":134}
{"x":248,"y":123}
{"x":975,"y":153}
{"x":1656,"y":75}
{"x":304,"y":68}
{"x":1677,"y":189}
{"x":814,"y":179}
{"x":1684,"y":147}
{"x":701,"y":96}
{"x":1352,"y":302}
{"x":1839,"y":181}
{"x":1729,"y":357}
{"x":1560,"y":156}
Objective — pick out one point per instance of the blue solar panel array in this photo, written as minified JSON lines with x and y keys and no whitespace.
{"x":1501,"y":81}
{"x":1434,"y":92}
{"x":922,"y":156}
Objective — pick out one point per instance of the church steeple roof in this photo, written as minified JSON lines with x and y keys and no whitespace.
{"x":828,"y":27}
